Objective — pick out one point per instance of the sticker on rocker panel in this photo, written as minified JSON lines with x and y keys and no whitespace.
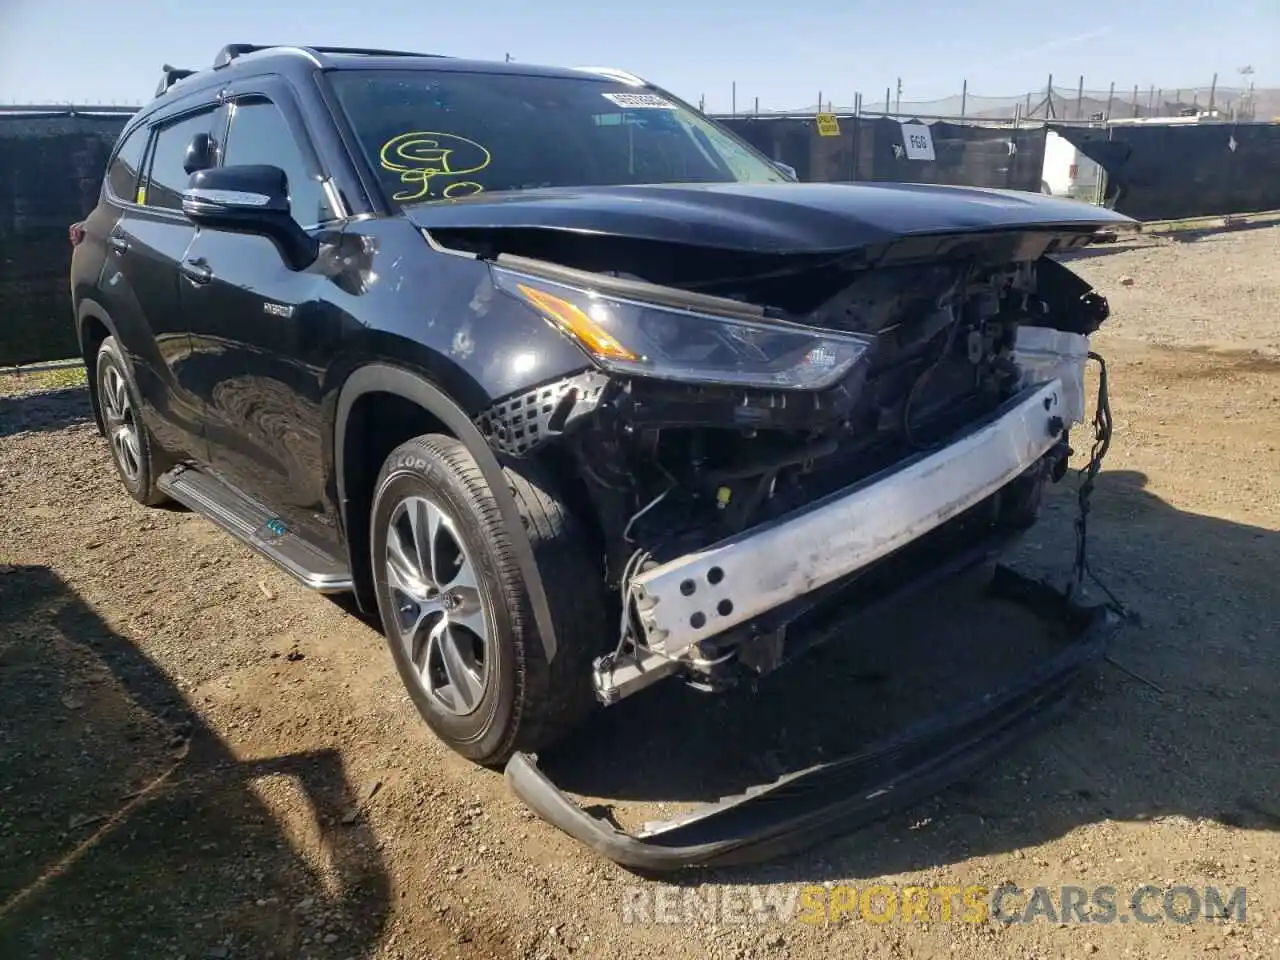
{"x":639,"y":101}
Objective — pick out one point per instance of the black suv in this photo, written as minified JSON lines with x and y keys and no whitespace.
{"x":568,"y":383}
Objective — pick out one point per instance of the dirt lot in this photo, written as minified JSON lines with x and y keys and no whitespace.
{"x":202,"y":759}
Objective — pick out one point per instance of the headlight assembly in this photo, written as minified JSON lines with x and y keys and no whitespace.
{"x":673,"y":343}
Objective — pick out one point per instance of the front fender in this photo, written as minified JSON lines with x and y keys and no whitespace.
{"x":385,"y":378}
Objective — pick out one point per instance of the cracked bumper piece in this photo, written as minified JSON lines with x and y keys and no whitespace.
{"x":701,"y":594}
{"x":801,"y":808}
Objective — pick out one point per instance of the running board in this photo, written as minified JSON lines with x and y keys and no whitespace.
{"x":255,"y":525}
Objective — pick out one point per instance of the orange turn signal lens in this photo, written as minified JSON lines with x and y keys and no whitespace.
{"x":572,"y":320}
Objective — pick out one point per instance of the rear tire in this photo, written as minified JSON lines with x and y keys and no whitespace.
{"x":133,"y":451}
{"x":455,"y":607}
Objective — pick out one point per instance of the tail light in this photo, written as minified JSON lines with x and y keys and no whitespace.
{"x":1073,"y":171}
{"x":76,"y":233}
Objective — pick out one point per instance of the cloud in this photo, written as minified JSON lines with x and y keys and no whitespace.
{"x":1025,"y":53}
{"x":1054,"y":45}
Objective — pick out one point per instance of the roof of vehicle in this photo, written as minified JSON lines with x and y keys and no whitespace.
{"x":242,"y":59}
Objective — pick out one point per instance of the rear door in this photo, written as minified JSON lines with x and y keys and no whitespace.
{"x":140,"y":279}
{"x":261,"y":331}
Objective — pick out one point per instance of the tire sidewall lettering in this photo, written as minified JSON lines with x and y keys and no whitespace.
{"x":408,"y":461}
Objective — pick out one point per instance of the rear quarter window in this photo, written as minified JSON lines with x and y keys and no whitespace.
{"x":122,"y":172}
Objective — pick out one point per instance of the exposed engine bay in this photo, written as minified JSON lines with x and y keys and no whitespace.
{"x":917,"y":432}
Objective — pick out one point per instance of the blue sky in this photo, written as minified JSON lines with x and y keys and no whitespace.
{"x":105,"y":51}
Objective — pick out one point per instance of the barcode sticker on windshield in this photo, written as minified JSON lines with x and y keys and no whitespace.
{"x":640,"y":101}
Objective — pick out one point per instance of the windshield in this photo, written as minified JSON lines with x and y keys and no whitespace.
{"x":446,"y":135}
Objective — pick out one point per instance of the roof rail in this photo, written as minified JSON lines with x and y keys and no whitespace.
{"x":613,"y":73}
{"x":170,"y":76}
{"x":233,"y":50}
{"x":375,"y":52}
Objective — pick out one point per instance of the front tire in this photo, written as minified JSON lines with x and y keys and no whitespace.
{"x":455,"y":608}
{"x":133,"y":451}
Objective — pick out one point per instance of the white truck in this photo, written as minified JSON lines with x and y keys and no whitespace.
{"x":1069,"y":173}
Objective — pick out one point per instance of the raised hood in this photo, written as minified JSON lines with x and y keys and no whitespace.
{"x":785,"y":218}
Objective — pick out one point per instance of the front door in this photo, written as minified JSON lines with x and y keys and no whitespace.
{"x":262,"y":337}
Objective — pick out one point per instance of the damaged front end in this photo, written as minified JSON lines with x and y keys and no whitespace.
{"x":766,"y":443}
{"x":752,"y":443}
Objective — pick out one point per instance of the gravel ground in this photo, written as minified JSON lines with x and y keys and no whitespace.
{"x":1218,"y":290}
{"x":204,"y":760}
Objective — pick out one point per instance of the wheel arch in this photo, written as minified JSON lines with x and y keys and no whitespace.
{"x":413,"y":387}
{"x":93,"y":326}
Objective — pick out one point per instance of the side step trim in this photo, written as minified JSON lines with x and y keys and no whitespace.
{"x":255,"y":525}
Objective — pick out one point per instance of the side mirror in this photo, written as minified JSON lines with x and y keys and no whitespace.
{"x":250,"y":199}
{"x":787,"y":169}
{"x":201,"y":154}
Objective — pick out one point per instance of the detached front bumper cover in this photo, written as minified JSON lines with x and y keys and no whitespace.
{"x":800,"y":808}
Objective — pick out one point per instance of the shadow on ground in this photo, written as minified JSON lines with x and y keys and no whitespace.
{"x":1194,"y":234}
{"x":1188,"y":726}
{"x":47,"y":411}
{"x":1137,"y":241}
{"x":128,"y":829}
{"x":1105,"y":249}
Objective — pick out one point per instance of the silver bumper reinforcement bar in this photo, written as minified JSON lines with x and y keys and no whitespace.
{"x":701,"y":594}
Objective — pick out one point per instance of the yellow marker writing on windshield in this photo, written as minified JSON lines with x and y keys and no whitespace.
{"x":422,"y":155}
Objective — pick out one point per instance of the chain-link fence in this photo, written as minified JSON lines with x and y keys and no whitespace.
{"x":1052,"y":102}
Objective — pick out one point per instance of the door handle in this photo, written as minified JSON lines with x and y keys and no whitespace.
{"x":118,"y":244}
{"x":197,"y":271}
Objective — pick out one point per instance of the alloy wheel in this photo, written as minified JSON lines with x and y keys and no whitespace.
{"x":439,"y":617}
{"x":122,"y":425}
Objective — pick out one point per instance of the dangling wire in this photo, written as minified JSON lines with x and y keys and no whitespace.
{"x":1102,"y":425}
{"x":633,"y":565}
{"x":923,"y":377}
{"x":626,"y":531}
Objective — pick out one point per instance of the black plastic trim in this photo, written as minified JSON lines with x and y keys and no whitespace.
{"x":520,"y":422}
{"x":87,"y":309}
{"x":800,"y":808}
